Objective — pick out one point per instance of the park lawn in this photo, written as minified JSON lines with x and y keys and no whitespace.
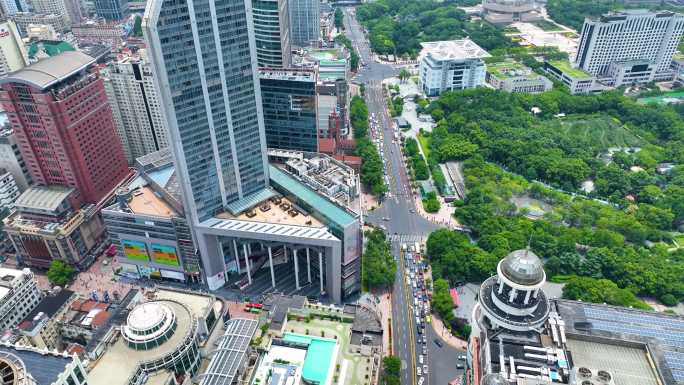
{"x":605,"y":131}
{"x":547,"y":25}
{"x":424,"y":142}
{"x":680,"y":240}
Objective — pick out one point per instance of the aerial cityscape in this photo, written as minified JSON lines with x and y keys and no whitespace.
{"x":341,"y":192}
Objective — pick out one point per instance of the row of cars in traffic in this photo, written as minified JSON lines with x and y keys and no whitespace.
{"x":415,"y":269}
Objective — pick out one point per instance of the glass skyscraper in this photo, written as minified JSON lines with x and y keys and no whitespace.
{"x":305,"y":22}
{"x":202,"y":53}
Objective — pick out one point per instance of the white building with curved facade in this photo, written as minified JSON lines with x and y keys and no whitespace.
{"x":160,"y":339}
{"x":510,"y":11}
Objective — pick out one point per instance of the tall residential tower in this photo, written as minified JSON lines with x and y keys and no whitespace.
{"x":631,"y":46}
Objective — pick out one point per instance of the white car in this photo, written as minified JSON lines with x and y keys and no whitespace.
{"x":420,"y":359}
{"x":421,"y":380}
{"x":425,"y":369}
{"x":418,"y":371}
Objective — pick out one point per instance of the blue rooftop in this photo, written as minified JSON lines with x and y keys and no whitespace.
{"x":44,"y":368}
{"x":162,"y":176}
{"x":322,"y":205}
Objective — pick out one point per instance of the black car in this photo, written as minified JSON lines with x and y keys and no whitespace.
{"x":438,"y":342}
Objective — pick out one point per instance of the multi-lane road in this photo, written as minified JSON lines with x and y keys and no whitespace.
{"x":397,"y":214}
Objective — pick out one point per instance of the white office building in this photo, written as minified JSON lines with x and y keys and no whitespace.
{"x":19,"y":295}
{"x":9,"y":192}
{"x":135,"y":105}
{"x":451,"y":65}
{"x":12,"y":51}
{"x":631,"y":46}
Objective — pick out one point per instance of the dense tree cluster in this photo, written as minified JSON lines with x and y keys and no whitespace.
{"x":398,"y":27}
{"x":566,"y":152}
{"x":601,"y":291}
{"x":431,"y":203}
{"x":416,"y":160}
{"x":372,"y":170}
{"x":378,"y":265}
{"x":353,"y":56}
{"x":441,"y":300}
{"x":60,"y":273}
{"x":572,"y":12}
{"x":339,"y":19}
{"x":391,"y":368}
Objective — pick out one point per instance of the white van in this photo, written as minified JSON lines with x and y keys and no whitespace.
{"x":420,"y":359}
{"x":418,"y":371}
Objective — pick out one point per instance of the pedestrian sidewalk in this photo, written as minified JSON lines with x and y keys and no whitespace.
{"x":385,"y":308}
{"x":443,"y":217}
{"x":446,"y":335}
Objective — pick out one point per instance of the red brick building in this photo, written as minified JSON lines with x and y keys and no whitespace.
{"x":64,"y":125}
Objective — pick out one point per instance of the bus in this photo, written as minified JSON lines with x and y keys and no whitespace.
{"x":253,"y":305}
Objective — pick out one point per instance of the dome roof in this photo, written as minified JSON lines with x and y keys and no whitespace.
{"x":494,"y":379}
{"x":523,"y":267}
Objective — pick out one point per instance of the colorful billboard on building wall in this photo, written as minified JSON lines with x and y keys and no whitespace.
{"x":135,"y":250}
{"x":165,"y":255}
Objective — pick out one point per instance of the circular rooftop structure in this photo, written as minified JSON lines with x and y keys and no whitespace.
{"x":13,"y":371}
{"x":509,"y":6}
{"x":523,"y":267}
{"x":149,"y":325}
{"x":494,"y":379}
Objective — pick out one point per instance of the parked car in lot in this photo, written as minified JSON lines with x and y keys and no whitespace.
{"x":438,"y":342}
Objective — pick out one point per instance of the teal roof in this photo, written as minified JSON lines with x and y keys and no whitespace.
{"x":311,"y":198}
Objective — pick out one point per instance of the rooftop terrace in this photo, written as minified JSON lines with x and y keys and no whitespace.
{"x":568,"y":69}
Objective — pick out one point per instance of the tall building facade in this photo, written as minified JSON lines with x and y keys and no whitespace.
{"x":13,"y":55}
{"x":305,"y":22}
{"x":290,"y":109}
{"x":53,"y":7}
{"x":64,"y":126}
{"x":10,"y":7}
{"x":135,"y":105}
{"x":272,"y":33}
{"x":211,"y":97}
{"x":12,"y":160}
{"x":59,"y":22}
{"x":112,"y":10}
{"x":630,"y":46}
{"x":19,"y":296}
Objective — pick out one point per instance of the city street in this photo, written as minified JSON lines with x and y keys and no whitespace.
{"x":398,"y":215}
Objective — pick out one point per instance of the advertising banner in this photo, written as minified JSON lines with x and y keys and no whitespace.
{"x":164,"y":255}
{"x":135,"y":250}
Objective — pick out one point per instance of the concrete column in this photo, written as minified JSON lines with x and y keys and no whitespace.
{"x":308,"y":265}
{"x":511,"y":297}
{"x":536,"y":292}
{"x":296,"y":264}
{"x":237,"y":255}
{"x":320,"y":269}
{"x":249,"y":273}
{"x":501,"y":286}
{"x":270,"y":261}
{"x":249,"y":248}
{"x":527,"y":297}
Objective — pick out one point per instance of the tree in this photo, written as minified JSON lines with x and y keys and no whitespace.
{"x":137,"y":27}
{"x":391,"y":366}
{"x":60,"y":273}
{"x":600,"y":291}
{"x":404,"y":75}
{"x":441,"y":300}
{"x":339,"y":19}
{"x":431,"y":203}
{"x":379,"y":267}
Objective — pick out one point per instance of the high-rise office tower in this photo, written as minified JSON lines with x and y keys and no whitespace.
{"x":112,"y":10}
{"x":629,"y":46}
{"x":211,"y":99}
{"x":135,"y":105}
{"x":12,"y":50}
{"x":289,"y":103}
{"x":64,"y":125}
{"x":272,"y":33}
{"x":305,"y":22}
{"x":10,"y":7}
{"x":53,"y":7}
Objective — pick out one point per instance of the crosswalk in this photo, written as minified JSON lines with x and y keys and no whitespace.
{"x":406,"y":238}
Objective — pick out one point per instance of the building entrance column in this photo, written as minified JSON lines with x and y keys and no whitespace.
{"x":308,"y":265}
{"x":237,"y":255}
{"x":247,"y":267}
{"x":296,"y":265}
{"x":270,"y":261}
{"x":320,"y":269}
